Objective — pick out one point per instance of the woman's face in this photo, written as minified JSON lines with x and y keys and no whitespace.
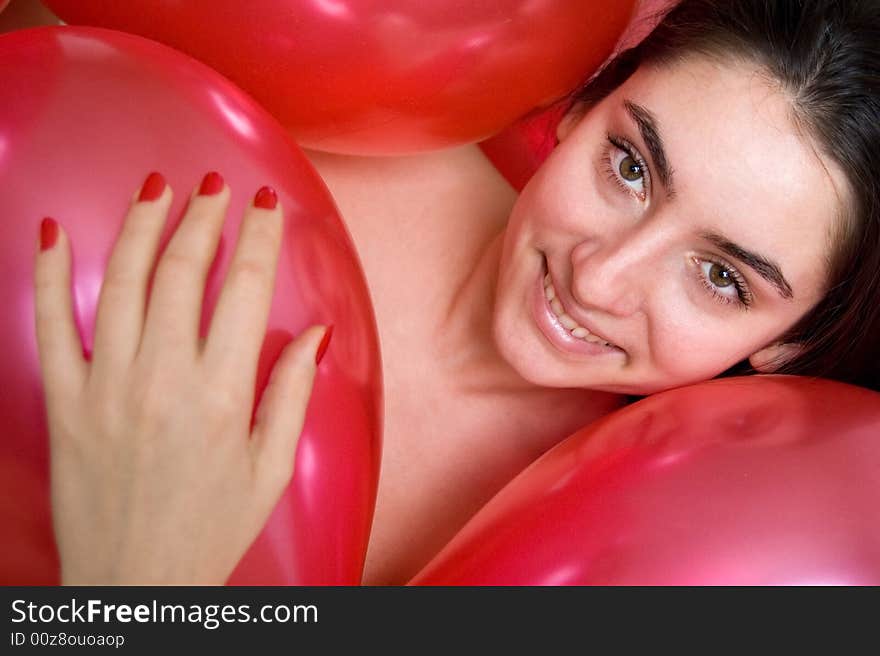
{"x":684,"y":220}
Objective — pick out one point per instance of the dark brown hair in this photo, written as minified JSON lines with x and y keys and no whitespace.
{"x":825,"y":55}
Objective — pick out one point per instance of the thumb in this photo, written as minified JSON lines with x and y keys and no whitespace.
{"x":280,"y":416}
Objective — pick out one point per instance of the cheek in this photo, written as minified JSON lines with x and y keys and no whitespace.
{"x":559,"y":200}
{"x":689,"y":344}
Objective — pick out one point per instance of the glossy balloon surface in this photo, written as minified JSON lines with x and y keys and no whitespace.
{"x":518,"y":150}
{"x":85,"y":115}
{"x":382,"y":76}
{"x":742,"y":481}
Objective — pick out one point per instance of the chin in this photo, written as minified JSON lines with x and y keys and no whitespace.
{"x":522,"y":354}
{"x":530,"y":360}
{"x":668,"y":383}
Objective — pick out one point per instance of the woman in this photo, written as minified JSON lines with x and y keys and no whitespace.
{"x":712,"y":206}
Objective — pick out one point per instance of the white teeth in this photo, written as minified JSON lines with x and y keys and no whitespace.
{"x":570,"y":324}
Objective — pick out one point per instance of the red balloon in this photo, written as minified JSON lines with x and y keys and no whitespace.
{"x":382,"y":76}
{"x":520,"y":149}
{"x":85,"y":114}
{"x":739,"y":481}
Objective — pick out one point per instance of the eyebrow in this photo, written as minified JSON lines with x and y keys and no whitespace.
{"x":647,"y":124}
{"x":763,"y":266}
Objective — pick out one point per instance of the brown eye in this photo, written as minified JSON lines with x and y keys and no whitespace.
{"x":630,"y":169}
{"x":627,"y":169}
{"x":719,"y":276}
{"x":724,"y":282}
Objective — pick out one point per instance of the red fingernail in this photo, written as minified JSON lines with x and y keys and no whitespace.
{"x":48,"y":233}
{"x":322,"y":348}
{"x":153,"y":187}
{"x":266,"y":198}
{"x":212,"y":184}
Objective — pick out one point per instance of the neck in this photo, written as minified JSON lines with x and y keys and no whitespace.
{"x":466,"y":348}
{"x":464,"y":337}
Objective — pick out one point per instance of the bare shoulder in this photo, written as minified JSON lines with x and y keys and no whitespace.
{"x":424,"y":216}
{"x":455,"y":183}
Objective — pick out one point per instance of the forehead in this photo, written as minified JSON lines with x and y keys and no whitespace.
{"x":741,"y":164}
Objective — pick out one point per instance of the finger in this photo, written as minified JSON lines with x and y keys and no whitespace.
{"x":279,"y":419}
{"x":242,"y":311}
{"x":175,"y":306}
{"x":122,"y":306}
{"x":62,"y":363}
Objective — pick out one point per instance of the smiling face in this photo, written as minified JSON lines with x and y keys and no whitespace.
{"x":684,"y":219}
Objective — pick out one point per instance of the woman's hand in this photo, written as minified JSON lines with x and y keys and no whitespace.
{"x":157,"y":476}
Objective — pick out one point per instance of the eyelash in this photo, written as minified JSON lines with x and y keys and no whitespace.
{"x":744,"y":294}
{"x":625,"y":146}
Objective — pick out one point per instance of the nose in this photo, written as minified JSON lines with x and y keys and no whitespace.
{"x":614,"y":275}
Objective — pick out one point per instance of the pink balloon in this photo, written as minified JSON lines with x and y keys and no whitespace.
{"x":740,"y":481}
{"x":85,"y":114}
{"x":382,"y":76}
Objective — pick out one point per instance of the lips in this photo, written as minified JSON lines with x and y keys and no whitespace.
{"x":560,"y":328}
{"x":566,"y":319}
